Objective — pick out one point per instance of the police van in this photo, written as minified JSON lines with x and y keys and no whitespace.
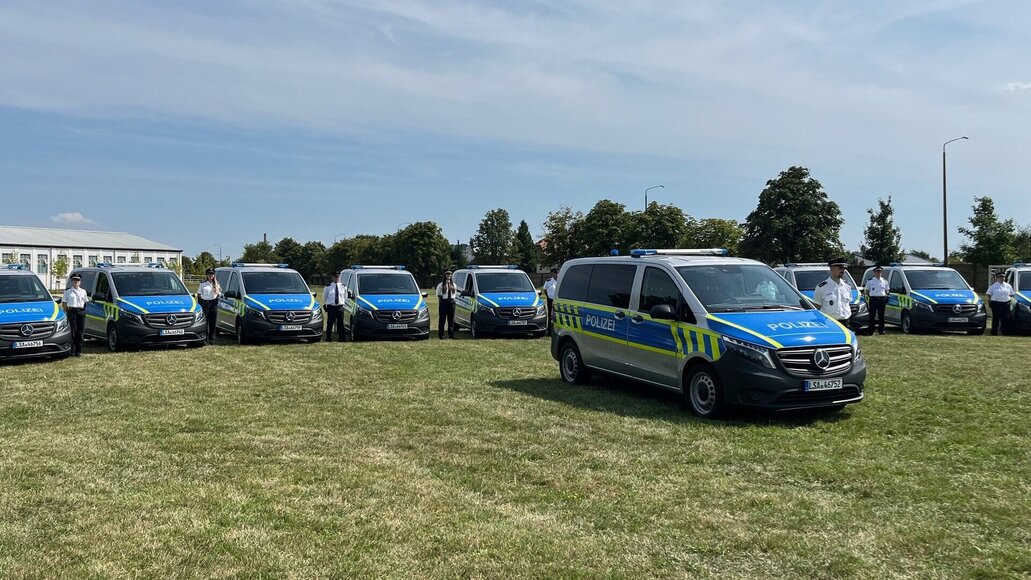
{"x":1019,"y":276}
{"x":32,"y":324}
{"x":693,"y":322}
{"x":266,"y":302}
{"x":139,"y":305}
{"x":384,"y":302}
{"x":930,"y":297}
{"x":805,"y":276}
{"x":498,"y":300}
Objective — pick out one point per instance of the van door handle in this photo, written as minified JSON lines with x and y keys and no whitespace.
{"x":619,"y":315}
{"x":637,"y":318}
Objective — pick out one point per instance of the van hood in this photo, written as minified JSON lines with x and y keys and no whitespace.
{"x":158,"y":304}
{"x":782,"y":328}
{"x":946,"y":296}
{"x":281,"y":301}
{"x":42,"y":311}
{"x":503,"y":299}
{"x":391,"y":301}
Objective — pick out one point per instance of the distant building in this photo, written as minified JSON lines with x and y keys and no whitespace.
{"x":39,"y":248}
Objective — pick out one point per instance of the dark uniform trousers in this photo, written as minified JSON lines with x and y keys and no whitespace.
{"x":210,"y":308}
{"x":877,"y":307}
{"x":1000,"y":316}
{"x":334,"y":316}
{"x":446,"y":313}
{"x":77,"y":322}
{"x":551,"y":315}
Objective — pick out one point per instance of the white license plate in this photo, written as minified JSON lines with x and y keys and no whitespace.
{"x":517,"y":323}
{"x":397,"y":326}
{"x":289,"y":327}
{"x":173,"y":332}
{"x":823,"y":384}
{"x":957,"y":319}
{"x":28,"y":344}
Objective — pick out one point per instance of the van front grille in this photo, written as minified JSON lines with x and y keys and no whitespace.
{"x":170,"y":320}
{"x":288,"y":316}
{"x":802,"y":362}
{"x":36,"y":330}
{"x":395,"y":316}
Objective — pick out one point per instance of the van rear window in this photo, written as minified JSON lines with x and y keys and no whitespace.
{"x":573,"y":284}
{"x":611,"y":285}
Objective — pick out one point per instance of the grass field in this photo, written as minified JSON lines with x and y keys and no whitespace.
{"x":470,"y":458}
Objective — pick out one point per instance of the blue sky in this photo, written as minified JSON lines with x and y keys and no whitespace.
{"x":202,"y":123}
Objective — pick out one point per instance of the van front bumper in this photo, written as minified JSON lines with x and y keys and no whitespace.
{"x":494,"y":324}
{"x":934,"y":320}
{"x":57,"y":344}
{"x":750,"y":385}
{"x":141,"y":334}
{"x":256,"y":327}
{"x":370,"y":327}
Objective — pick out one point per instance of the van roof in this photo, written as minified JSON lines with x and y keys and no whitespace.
{"x":665,"y":259}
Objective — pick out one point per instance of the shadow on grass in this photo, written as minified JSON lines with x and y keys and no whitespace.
{"x":627,"y":398}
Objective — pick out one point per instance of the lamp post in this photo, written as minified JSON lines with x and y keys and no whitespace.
{"x":646,"y":194}
{"x":219,"y":252}
{"x":945,"y":203}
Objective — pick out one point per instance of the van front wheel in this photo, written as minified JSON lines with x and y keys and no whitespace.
{"x":907,"y":323}
{"x":114,"y":343}
{"x":703,"y":392}
{"x":571,"y":365}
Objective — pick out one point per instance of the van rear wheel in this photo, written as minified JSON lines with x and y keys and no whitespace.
{"x":703,"y":392}
{"x":571,"y":365}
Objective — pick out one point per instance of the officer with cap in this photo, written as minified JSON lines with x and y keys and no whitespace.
{"x":207,"y":294}
{"x":551,"y":293}
{"x":999,"y":295}
{"x":877,"y":294}
{"x":74,"y":301}
{"x":334,"y":297}
{"x":834,"y":295}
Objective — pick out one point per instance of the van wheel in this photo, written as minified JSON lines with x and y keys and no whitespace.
{"x":241,"y":338}
{"x":907,"y":323}
{"x":352,"y":333}
{"x":114,"y":342}
{"x":571,"y":365}
{"x":472,"y":329}
{"x":703,"y":392}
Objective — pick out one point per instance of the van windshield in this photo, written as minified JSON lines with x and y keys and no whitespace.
{"x":936,"y":280}
{"x":387,"y":284}
{"x":274,"y":283}
{"x":806,"y":280}
{"x":148,"y":284}
{"x":22,"y":289}
{"x":741,"y":288}
{"x":1024,"y":285}
{"x":504,"y":282}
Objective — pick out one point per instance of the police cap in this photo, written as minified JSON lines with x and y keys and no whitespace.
{"x":878,"y":269}
{"x":75,"y":276}
{"x":838,"y":262}
{"x":209,"y":271}
{"x":446,"y":272}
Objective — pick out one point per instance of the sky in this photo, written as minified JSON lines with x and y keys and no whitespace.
{"x":206,"y":125}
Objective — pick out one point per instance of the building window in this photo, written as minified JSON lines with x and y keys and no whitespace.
{"x":8,"y":257}
{"x":121,"y":259}
{"x":109,"y":259}
{"x":26,"y":260}
{"x":77,"y":261}
{"x":93,"y":260}
{"x":148,"y":259}
{"x":42,"y":267}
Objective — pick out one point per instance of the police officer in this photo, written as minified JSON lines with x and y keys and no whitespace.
{"x":877,"y":294}
{"x":333,"y":297}
{"x":446,"y":293}
{"x":207,"y":294}
{"x":999,"y":295}
{"x":550,"y":293}
{"x":74,"y":301}
{"x":834,"y":295}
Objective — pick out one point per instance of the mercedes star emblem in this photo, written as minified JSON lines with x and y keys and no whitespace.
{"x":821,"y":359}
{"x":517,"y":312}
{"x":26,"y":330}
{"x":396,"y":315}
{"x":171,"y":319}
{"x":957,"y":308}
{"x":290,"y":316}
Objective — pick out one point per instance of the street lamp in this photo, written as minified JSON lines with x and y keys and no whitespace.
{"x":646,"y":194}
{"x":945,"y":203}
{"x":219,"y":252}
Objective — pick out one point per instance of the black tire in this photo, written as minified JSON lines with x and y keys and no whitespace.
{"x":472,"y":329}
{"x":703,"y":392}
{"x":353,"y":334}
{"x":571,"y":365}
{"x":906,"y":323}
{"x":114,"y":342}
{"x":241,"y":337}
{"x":976,"y":332}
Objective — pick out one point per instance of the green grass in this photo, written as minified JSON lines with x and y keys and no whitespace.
{"x":470,"y":458}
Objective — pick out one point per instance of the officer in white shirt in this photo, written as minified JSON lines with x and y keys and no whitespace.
{"x":834,"y":295}
{"x":877,"y":295}
{"x":446,"y":294}
{"x":334,"y":296}
{"x":550,"y":293}
{"x":999,"y":295}
{"x":74,"y":301}
{"x":207,"y":295}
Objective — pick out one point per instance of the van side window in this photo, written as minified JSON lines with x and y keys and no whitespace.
{"x":468,"y":283}
{"x":611,"y":285}
{"x":344,"y":278}
{"x":459,"y":280}
{"x":103,"y":288}
{"x":896,"y":285}
{"x":89,"y":279}
{"x":658,"y":288}
{"x":223,"y":279}
{"x":234,"y":282}
{"x":573,"y":285}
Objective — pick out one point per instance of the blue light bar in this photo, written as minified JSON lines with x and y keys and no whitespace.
{"x":364,"y":267}
{"x":16,"y":267}
{"x":495,"y":266}
{"x":680,"y":252}
{"x":613,"y":252}
{"x":1020,"y":265}
{"x":104,"y":264}
{"x":257,"y":265}
{"x":796,"y":264}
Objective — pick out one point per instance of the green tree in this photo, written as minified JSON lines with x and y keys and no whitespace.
{"x":605,"y":227}
{"x":883,"y":243}
{"x":561,"y":236}
{"x":922,"y":254}
{"x":659,"y":226}
{"x":60,"y":268}
{"x":525,"y":251}
{"x":308,"y":260}
{"x":261,"y":253}
{"x":361,"y":249}
{"x":1022,"y":244}
{"x":492,"y":243}
{"x":202,"y":262}
{"x":794,"y":221}
{"x":174,"y":265}
{"x":991,"y":239}
{"x":459,"y":259}
{"x":288,"y":250}
{"x":713,"y":233}
{"x":423,"y":250}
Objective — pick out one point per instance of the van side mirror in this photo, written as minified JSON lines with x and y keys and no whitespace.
{"x":350,"y":294}
{"x":58,"y":299}
{"x":662,"y":312}
{"x":314,"y":295}
{"x":540,"y":292}
{"x":425,"y":294}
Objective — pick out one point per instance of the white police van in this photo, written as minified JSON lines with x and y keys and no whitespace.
{"x":1019,"y":276}
{"x":384,"y":302}
{"x":930,"y":297}
{"x":805,"y":276}
{"x":139,"y":305}
{"x":692,"y":321}
{"x":32,"y":324}
{"x":498,"y":300}
{"x":266,"y":302}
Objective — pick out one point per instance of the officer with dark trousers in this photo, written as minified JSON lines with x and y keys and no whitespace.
{"x":550,"y":293}
{"x":333,"y":297}
{"x":74,"y":301}
{"x":877,"y":294}
{"x":446,"y":293}
{"x":999,"y":295}
{"x":207,"y":294}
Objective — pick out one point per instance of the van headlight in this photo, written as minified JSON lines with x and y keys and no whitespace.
{"x":760,"y":355}
{"x":424,"y":313}
{"x":316,"y":314}
{"x":1023,"y":307}
{"x":200,"y":314}
{"x":130,"y":315}
{"x":980,"y":307}
{"x":363,"y":311}
{"x":857,"y":353}
{"x":926,"y":307}
{"x":541,"y":311}
{"x":862,"y":308}
{"x":62,"y":325}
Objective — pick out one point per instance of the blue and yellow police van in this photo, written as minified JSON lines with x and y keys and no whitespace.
{"x":931,"y":297}
{"x":806,"y":275}
{"x":32,"y":324}
{"x":498,"y":300}
{"x":132,"y":305}
{"x":384,"y":302}
{"x":1019,"y":276}
{"x":266,"y":302}
{"x":692,"y":321}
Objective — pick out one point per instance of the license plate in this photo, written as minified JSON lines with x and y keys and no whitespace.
{"x":173,"y":332}
{"x":289,"y":327}
{"x":957,"y":319}
{"x":28,"y":344}
{"x":823,"y":384}
{"x":397,"y":326}
{"x":517,"y":323}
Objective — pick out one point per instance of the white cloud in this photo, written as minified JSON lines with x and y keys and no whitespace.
{"x":1012,"y":87}
{"x":71,"y":218}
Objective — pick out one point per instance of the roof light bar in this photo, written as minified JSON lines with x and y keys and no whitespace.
{"x":680,"y":252}
{"x":16,"y":267}
{"x":916,"y":264}
{"x":257,"y":265}
{"x":793,"y":264}
{"x":495,"y":266}
{"x":364,"y":267}
{"x":1020,"y":264}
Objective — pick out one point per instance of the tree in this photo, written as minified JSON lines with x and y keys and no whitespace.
{"x":713,"y":233}
{"x":261,"y":253}
{"x":60,"y":266}
{"x":794,"y":221}
{"x":923,"y":255}
{"x":187,"y":265}
{"x":883,"y":238}
{"x":424,"y":251}
{"x":1022,"y":244}
{"x":174,"y":266}
{"x":201,"y":263}
{"x":361,"y":249}
{"x":308,"y":259}
{"x":492,"y":243}
{"x":991,"y":239}
{"x":288,"y":250}
{"x":605,"y":227}
{"x":459,"y":259}
{"x":561,"y":236}
{"x":526,"y":253}
{"x":658,"y":226}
